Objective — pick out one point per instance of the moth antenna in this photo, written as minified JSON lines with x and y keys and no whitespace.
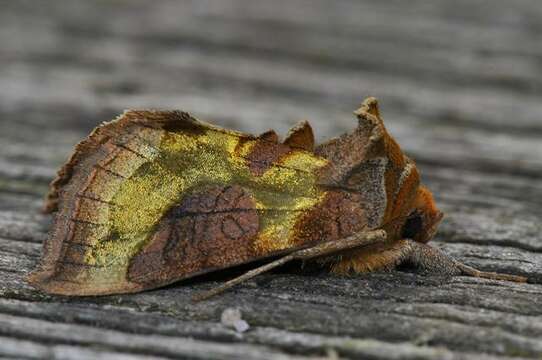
{"x":246,"y":276}
{"x":470,"y":271}
{"x":322,"y":249}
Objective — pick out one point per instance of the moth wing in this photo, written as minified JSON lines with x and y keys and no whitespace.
{"x":147,"y":199}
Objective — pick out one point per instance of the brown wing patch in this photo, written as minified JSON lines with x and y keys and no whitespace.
{"x":211,"y":229}
{"x":340,"y":214}
{"x":262,"y":153}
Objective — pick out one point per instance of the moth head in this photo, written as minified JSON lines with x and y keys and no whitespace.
{"x":422,"y":223}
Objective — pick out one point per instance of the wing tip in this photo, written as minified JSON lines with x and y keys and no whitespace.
{"x":47,"y":282}
{"x":42,"y":280}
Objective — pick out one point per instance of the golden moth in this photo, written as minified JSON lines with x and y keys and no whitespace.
{"x":154,"y":197}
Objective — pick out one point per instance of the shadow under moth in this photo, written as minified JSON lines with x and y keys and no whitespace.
{"x":154,"y":197}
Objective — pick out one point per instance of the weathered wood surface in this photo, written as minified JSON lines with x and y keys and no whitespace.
{"x":460,"y":85}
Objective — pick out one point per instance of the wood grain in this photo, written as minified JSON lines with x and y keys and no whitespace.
{"x":459,"y":85}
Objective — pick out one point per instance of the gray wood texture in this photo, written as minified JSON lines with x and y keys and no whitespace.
{"x":460,"y":85}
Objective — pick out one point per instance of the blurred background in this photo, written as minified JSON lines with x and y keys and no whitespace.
{"x":458,"y":81}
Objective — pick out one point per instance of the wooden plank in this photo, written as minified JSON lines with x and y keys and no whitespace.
{"x":460,"y":89}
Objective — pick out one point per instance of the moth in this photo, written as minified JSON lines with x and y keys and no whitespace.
{"x":154,"y":197}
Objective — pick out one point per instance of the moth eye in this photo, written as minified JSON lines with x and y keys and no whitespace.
{"x":413,"y":226}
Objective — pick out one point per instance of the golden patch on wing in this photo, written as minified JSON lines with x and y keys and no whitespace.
{"x":132,"y":172}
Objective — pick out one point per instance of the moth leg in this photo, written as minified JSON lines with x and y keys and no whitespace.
{"x":322,"y":249}
{"x":431,"y":260}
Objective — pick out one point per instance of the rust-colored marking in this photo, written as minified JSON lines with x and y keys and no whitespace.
{"x":210,"y":229}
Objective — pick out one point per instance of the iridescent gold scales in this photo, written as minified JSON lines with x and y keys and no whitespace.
{"x":143,"y":171}
{"x":188,"y":161}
